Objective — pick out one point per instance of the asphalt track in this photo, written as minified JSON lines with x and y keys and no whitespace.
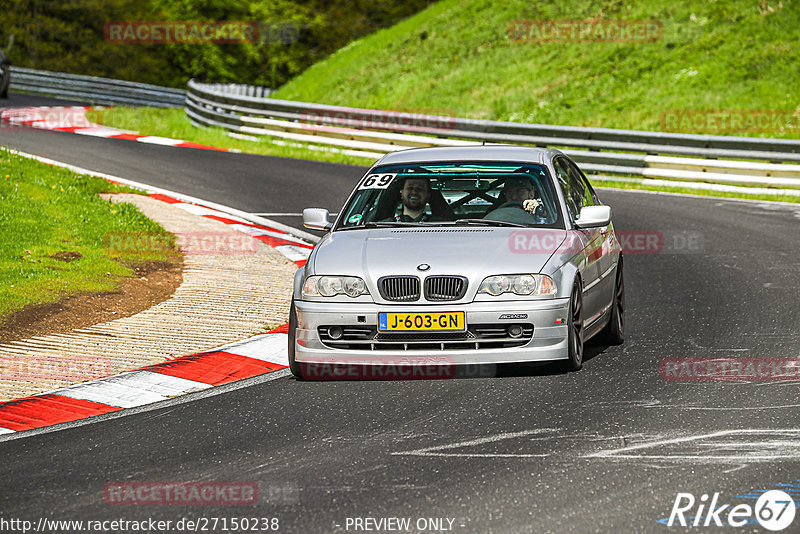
{"x":606,"y":449}
{"x":247,"y":182}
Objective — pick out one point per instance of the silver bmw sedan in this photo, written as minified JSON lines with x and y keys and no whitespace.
{"x":444,"y":257}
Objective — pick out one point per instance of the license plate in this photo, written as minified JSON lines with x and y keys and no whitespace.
{"x":452,"y":321}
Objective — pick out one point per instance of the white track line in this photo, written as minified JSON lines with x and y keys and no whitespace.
{"x":623,"y":452}
{"x":429,"y":451}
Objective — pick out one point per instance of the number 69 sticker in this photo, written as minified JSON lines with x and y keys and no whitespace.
{"x":377,"y":181}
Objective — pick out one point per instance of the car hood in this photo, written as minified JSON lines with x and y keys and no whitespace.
{"x":471,"y":252}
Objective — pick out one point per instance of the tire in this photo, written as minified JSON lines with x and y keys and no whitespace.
{"x":575,"y":329}
{"x":294,"y":366}
{"x":5,"y":79}
{"x":614,"y":331}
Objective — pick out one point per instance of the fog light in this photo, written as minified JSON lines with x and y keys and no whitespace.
{"x":515,"y":330}
{"x":335,"y":332}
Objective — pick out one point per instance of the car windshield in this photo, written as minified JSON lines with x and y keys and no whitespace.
{"x":454,"y":193}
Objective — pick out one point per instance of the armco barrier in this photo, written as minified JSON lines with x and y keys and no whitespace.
{"x":248,"y":110}
{"x":93,"y":89}
{"x":610,"y":151}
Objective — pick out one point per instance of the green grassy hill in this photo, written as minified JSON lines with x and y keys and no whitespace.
{"x":459,"y":57}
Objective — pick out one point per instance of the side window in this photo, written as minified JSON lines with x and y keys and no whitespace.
{"x":589,"y":196}
{"x":572,"y":186}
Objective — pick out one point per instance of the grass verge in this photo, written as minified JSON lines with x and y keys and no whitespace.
{"x":54,"y":234}
{"x":173,"y":123}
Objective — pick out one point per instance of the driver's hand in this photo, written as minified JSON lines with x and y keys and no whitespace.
{"x":531,"y":205}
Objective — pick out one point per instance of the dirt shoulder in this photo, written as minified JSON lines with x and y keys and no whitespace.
{"x":155,"y":281}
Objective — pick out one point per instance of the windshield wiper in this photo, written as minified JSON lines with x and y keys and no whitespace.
{"x":488,"y":222}
{"x":387,"y":224}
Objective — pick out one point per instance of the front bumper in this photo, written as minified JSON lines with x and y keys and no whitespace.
{"x":548,"y":341}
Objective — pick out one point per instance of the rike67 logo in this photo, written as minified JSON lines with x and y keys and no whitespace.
{"x":774,"y":510}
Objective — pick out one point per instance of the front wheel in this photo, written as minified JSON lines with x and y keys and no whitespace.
{"x":575,"y":328}
{"x":294,"y":366}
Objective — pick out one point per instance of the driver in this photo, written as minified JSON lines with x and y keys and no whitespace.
{"x":414,"y":197}
{"x":521,"y":202}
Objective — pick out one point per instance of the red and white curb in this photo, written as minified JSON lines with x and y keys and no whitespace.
{"x":258,"y":355}
{"x":296,"y":250}
{"x":74,"y":119}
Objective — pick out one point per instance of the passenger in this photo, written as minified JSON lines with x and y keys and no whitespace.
{"x":521,"y":204}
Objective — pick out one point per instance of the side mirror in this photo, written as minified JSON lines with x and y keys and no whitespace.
{"x":317,"y":219}
{"x":594,"y":216}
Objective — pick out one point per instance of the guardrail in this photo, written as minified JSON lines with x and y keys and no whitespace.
{"x":248,"y":110}
{"x":94,"y":89}
{"x":375,"y":132}
{"x":239,"y":89}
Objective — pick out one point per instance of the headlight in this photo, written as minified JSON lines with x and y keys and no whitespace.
{"x":519,"y":284}
{"x":330,"y":286}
